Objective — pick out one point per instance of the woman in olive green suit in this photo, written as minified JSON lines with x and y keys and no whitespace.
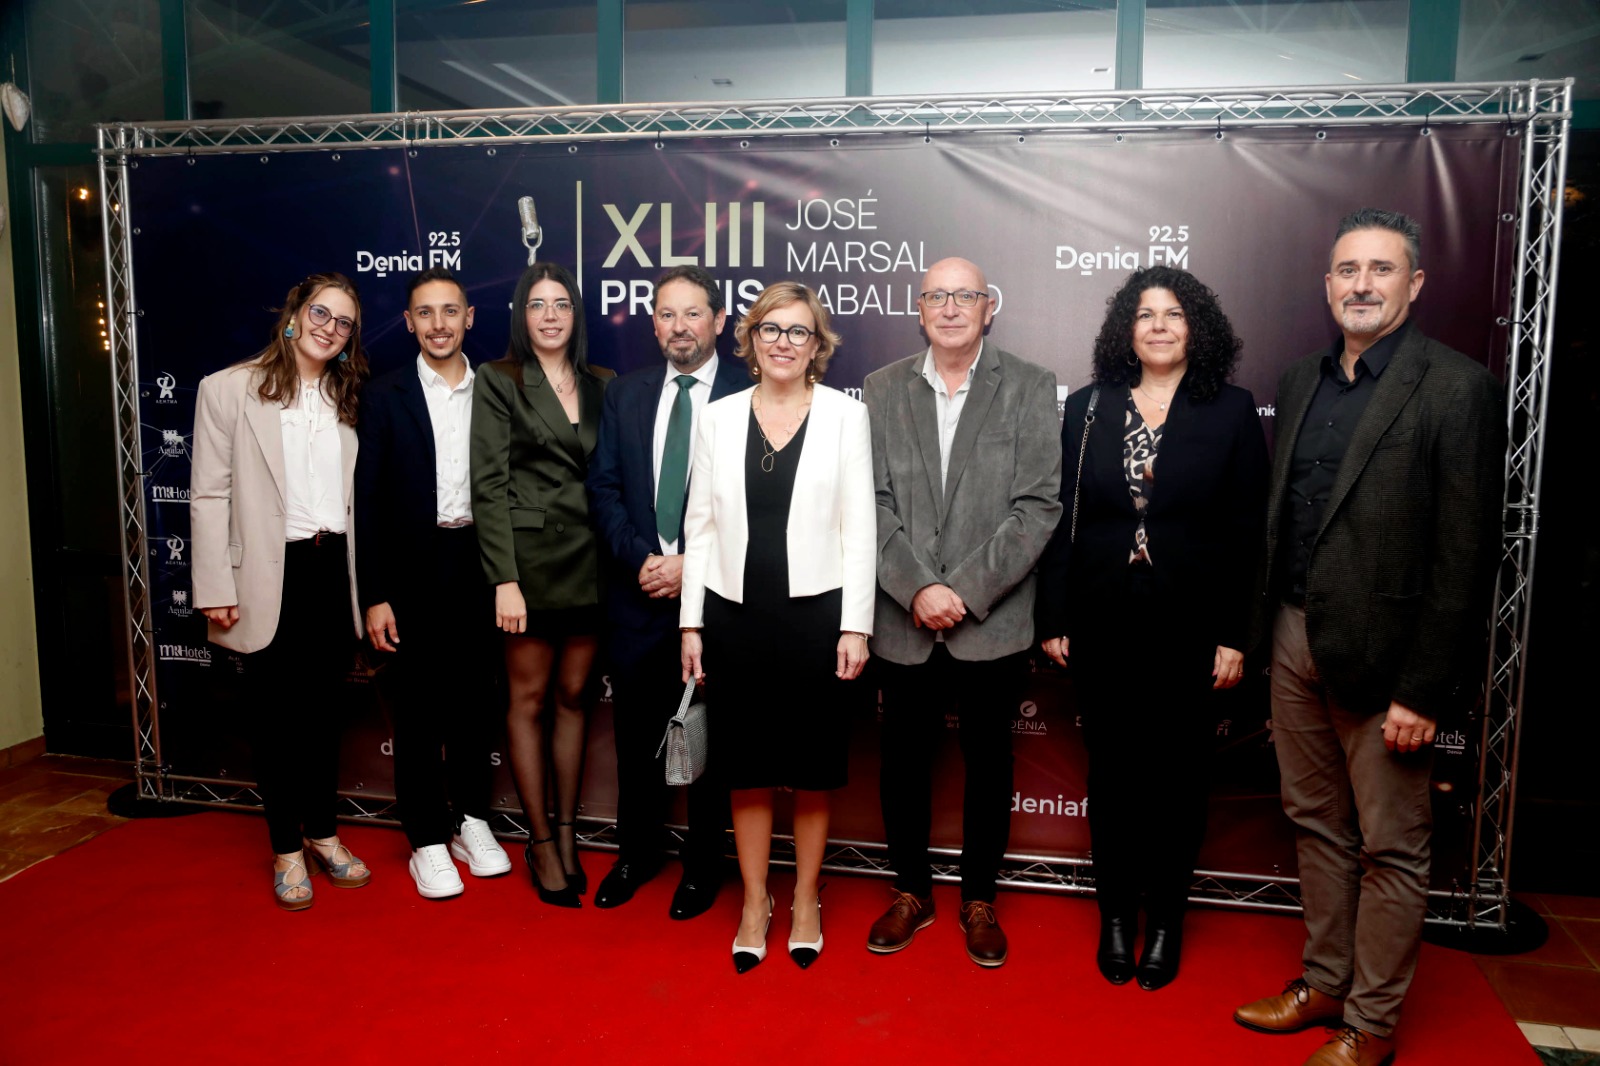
{"x":535,"y":415}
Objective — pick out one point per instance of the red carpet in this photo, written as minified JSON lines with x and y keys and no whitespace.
{"x":159,"y":942}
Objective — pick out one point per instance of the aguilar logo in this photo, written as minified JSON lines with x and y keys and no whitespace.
{"x":173,"y":444}
{"x":184,"y":653}
{"x":166,"y":383}
{"x":179,"y":607}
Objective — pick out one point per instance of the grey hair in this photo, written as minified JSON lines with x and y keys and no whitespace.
{"x":1393,"y":221}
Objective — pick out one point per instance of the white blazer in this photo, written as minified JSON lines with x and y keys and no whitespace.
{"x":236,"y":504}
{"x":833,"y":523}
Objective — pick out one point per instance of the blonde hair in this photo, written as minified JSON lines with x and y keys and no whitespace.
{"x":782,"y":294}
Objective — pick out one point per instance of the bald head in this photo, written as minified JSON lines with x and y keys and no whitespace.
{"x":955,"y":333}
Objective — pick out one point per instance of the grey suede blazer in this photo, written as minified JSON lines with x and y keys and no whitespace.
{"x":1397,"y":587}
{"x":982,"y":531}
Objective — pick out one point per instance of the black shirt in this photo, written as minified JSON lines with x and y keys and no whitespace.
{"x":1325,"y":433}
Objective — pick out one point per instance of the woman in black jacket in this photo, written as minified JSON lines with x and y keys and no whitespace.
{"x":1146,"y":585}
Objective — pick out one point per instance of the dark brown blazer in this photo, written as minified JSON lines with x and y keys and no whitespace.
{"x":1397,"y":586}
{"x":528,"y":469}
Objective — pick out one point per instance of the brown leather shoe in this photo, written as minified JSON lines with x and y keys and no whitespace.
{"x":900,"y":923}
{"x":1350,"y":1046}
{"x":1297,"y":1007}
{"x":986,"y":941}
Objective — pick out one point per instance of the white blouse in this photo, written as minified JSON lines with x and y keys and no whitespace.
{"x":313,"y":465}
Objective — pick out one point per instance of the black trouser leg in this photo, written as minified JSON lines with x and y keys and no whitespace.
{"x":990,"y":694}
{"x":913,"y":718}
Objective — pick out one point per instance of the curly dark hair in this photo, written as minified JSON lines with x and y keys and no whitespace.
{"x":1213,"y":347}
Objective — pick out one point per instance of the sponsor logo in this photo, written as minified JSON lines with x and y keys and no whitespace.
{"x":173,"y":444}
{"x":168,"y":494}
{"x":1224,"y":727}
{"x":1060,"y":806}
{"x":1061,"y":409}
{"x":184,"y":653}
{"x":408,"y":262}
{"x":1268,"y":411}
{"x":174,"y":549}
{"x":179,"y":607}
{"x":1167,"y":244}
{"x":166,"y":383}
{"x":1452,"y":743}
{"x":1029,"y":723}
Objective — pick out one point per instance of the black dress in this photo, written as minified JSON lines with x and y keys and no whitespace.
{"x":778,"y":716}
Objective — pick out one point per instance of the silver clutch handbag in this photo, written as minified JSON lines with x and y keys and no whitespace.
{"x":685,"y":741}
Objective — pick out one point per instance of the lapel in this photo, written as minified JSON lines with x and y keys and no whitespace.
{"x":591,"y":393}
{"x":348,"y":446}
{"x":925,"y":428}
{"x":974,"y":414}
{"x":1400,"y":379}
{"x":415,"y":403}
{"x":643,"y":419}
{"x":1173,"y":451}
{"x":546,"y":406}
{"x":1294,"y":400}
{"x":266,"y":423}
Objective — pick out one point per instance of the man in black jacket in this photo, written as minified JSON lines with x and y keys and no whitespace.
{"x":1383,"y":530}
{"x":419,"y":575}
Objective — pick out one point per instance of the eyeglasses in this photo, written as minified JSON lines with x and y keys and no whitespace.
{"x":964,"y":297}
{"x":771,"y":331}
{"x":562,"y":308}
{"x":321,"y":316}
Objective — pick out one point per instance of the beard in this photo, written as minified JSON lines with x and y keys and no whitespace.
{"x":1352,"y":321}
{"x":687,"y":359}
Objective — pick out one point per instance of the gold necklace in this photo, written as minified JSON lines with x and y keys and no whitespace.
{"x":769,"y":453}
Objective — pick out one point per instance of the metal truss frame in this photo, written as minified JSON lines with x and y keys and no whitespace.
{"x":1537,"y":112}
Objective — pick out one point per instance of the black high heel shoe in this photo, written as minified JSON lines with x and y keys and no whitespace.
{"x":1115,"y":954}
{"x":1163,"y":944}
{"x":579,"y":878}
{"x":558,"y":897}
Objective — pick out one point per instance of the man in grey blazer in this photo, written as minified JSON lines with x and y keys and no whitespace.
{"x":966,"y":455}
{"x":1383,"y":527}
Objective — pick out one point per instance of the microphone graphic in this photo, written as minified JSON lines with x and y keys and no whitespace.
{"x":532,"y":235}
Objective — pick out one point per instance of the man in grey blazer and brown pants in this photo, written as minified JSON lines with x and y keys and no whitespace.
{"x":966,"y":455}
{"x":1383,"y":527}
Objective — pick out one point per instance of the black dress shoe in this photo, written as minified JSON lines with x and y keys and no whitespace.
{"x":618,"y":886}
{"x":1159,"y":963}
{"x":695,"y":895}
{"x":1115,"y":954}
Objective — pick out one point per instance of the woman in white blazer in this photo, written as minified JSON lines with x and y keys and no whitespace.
{"x":274,"y":560}
{"x":780,"y":548}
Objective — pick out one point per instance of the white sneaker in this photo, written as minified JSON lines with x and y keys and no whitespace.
{"x":434,"y":873}
{"x":475,"y":845}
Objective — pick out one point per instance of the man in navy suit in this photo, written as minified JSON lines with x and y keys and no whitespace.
{"x":641,"y":524}
{"x":420,"y":576}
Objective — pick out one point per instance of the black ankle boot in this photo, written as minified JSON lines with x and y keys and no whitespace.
{"x":1115,"y":954}
{"x":1163,"y":944}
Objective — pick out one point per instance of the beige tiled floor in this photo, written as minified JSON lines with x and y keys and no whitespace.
{"x":57,"y":802}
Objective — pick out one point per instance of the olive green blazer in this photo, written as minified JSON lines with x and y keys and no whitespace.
{"x":528,"y":470}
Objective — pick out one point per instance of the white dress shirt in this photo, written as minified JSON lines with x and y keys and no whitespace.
{"x":312,"y":465}
{"x":450,"y":412}
{"x":699,"y":396}
{"x":947,"y":407}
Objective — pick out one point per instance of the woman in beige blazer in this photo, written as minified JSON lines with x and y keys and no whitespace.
{"x":779,"y":565}
{"x":535,"y":422}
{"x":274,"y":560}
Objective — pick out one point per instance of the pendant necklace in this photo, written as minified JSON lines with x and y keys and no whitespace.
{"x":768,"y":452}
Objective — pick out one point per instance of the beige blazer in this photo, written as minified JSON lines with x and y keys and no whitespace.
{"x":832,"y":534}
{"x":236,"y":504}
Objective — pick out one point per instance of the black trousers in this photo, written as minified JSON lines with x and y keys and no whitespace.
{"x":643,"y":698}
{"x":915,"y":699}
{"x":1143,"y":682}
{"x":445,"y":688}
{"x":294,"y":692}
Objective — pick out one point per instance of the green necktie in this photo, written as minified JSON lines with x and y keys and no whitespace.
{"x":675,"y":463}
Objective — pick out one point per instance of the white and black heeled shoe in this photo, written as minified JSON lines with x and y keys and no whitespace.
{"x":805,"y":952}
{"x":747,"y":958}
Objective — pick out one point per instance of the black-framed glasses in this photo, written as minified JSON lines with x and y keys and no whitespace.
{"x":562,"y":308}
{"x":963,"y":297}
{"x":321,"y":316}
{"x":771,"y":331}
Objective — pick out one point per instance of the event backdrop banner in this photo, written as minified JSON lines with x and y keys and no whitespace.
{"x":1056,"y":220}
